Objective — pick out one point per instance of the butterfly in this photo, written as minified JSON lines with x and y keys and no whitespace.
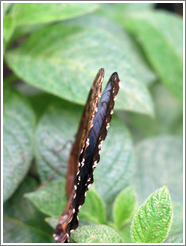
{"x":84,"y":154}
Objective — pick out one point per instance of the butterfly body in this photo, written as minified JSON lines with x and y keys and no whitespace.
{"x":84,"y":156}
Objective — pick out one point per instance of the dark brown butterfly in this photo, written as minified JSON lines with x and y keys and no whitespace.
{"x":84,"y":154}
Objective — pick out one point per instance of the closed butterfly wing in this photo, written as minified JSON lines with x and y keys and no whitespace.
{"x":90,"y":156}
{"x":85,"y":151}
{"x":62,"y":231}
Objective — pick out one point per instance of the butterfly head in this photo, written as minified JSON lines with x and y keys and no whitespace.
{"x":60,"y":235}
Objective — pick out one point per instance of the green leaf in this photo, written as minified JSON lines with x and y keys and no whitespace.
{"x":93,"y":210}
{"x":63,"y":59}
{"x":176,"y":231}
{"x":120,"y":11}
{"x":125,"y":233}
{"x":159,"y":162}
{"x":52,"y":221}
{"x":124,"y":206}
{"x":50,"y":199}
{"x":152,"y":221}
{"x":55,"y":130}
{"x":18,"y":129}
{"x":161,"y":36}
{"x":23,"y":223}
{"x":95,"y":234}
{"x":168,"y":116}
{"x":35,"y":13}
{"x":8,"y":27}
{"x":116,"y":163}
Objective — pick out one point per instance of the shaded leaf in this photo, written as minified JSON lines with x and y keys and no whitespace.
{"x":125,"y":233}
{"x":168,"y":116}
{"x":50,"y":199}
{"x":54,"y":57}
{"x":177,"y":238}
{"x":52,"y":221}
{"x":124,"y":206}
{"x":34,"y":13}
{"x":120,"y":11}
{"x":6,"y":7}
{"x":18,"y":128}
{"x":95,"y":234}
{"x":176,"y":231}
{"x":159,"y":162}
{"x":161,"y":36}
{"x":116,"y":166}
{"x":55,"y":133}
{"x":23,"y":223}
{"x":152,"y":221}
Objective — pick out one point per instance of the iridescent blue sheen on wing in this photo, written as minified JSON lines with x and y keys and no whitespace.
{"x":95,"y":131}
{"x":90,"y":156}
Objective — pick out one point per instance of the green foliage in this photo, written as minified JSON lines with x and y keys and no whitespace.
{"x":159,"y":162}
{"x":59,"y":55}
{"x":48,"y":199}
{"x":8,"y":27}
{"x":124,"y":206}
{"x":35,"y":13}
{"x":23,"y":223}
{"x":96,"y":234}
{"x":19,"y":127}
{"x":152,"y":221}
{"x":52,"y":52}
{"x":163,"y":32}
{"x":176,"y":230}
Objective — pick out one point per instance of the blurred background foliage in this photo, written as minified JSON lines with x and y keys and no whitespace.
{"x":52,"y":52}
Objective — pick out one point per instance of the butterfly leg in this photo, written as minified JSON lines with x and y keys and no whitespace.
{"x":50,"y":177}
{"x":61,"y":148}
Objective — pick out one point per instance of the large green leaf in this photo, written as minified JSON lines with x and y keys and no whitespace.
{"x":63,"y":59}
{"x":95,"y":234}
{"x":18,"y":127}
{"x":115,"y":169}
{"x":35,"y":13}
{"x":159,"y":162}
{"x":55,"y":133}
{"x":124,"y":206}
{"x":59,"y":125}
{"x":161,"y":36}
{"x":168,"y":116}
{"x":23,"y":223}
{"x":152,"y":221}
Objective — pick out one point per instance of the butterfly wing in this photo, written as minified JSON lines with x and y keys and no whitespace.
{"x":83,"y":132}
{"x":62,"y":230}
{"x":90,"y":156}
